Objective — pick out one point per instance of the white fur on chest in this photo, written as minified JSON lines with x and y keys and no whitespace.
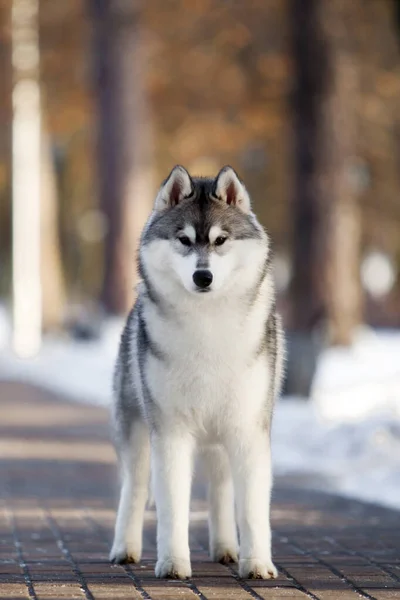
{"x":210,"y":377}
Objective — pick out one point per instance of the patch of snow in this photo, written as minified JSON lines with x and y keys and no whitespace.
{"x":81,"y":371}
{"x":351,"y":383}
{"x":358,"y":459}
{"x":5,"y":328}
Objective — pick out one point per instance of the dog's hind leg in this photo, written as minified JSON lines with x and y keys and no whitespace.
{"x":222,"y":525}
{"x":134,"y":456}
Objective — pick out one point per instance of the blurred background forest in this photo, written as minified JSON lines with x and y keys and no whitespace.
{"x":301,"y":97}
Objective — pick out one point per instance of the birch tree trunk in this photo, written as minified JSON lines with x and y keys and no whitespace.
{"x":52,"y":278}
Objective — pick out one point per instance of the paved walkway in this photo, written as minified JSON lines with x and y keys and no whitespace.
{"x":57,"y":491}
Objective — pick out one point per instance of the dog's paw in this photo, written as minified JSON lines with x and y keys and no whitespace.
{"x":120,"y":555}
{"x":173,"y":568}
{"x":224,"y":554}
{"x":253,"y":568}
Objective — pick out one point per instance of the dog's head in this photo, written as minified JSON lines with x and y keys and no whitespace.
{"x":202,"y":235}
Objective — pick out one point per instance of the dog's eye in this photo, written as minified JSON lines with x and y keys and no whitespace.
{"x":220,"y":240}
{"x":185,"y":240}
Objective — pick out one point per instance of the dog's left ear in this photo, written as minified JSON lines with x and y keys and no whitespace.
{"x":231,"y":190}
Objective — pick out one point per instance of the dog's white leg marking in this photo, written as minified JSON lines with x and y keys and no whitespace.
{"x":172,"y":474}
{"x":222,"y":524}
{"x":135,"y":464}
{"x":251,"y":463}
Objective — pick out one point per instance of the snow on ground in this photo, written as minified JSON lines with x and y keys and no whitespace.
{"x":81,"y":371}
{"x":351,"y":383}
{"x":359,"y":458}
{"x":346,"y":439}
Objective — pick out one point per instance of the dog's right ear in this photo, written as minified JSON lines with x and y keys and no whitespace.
{"x":175,"y":188}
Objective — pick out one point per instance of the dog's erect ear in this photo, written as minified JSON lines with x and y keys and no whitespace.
{"x":231,"y":190}
{"x":175,"y":188}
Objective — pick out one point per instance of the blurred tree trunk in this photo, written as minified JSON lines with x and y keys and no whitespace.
{"x":52,"y":278}
{"x":124,"y":143}
{"x":325,"y":288}
{"x":6,"y":114}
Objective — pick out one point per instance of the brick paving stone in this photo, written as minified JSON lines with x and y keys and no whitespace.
{"x":169,"y":591}
{"x":57,"y":507}
{"x":13,"y":591}
{"x":53,"y":591}
{"x":382,"y":594}
{"x":281,"y":593}
{"x":110,"y":591}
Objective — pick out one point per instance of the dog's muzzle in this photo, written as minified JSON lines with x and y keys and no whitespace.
{"x":202,"y":279}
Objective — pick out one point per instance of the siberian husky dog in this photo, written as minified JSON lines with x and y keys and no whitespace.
{"x":199,"y":367}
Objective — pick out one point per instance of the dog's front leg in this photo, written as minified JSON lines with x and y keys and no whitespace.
{"x":172,"y":473}
{"x":251,"y":462}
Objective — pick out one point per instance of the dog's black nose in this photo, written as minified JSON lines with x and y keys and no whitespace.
{"x":202,"y":278}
